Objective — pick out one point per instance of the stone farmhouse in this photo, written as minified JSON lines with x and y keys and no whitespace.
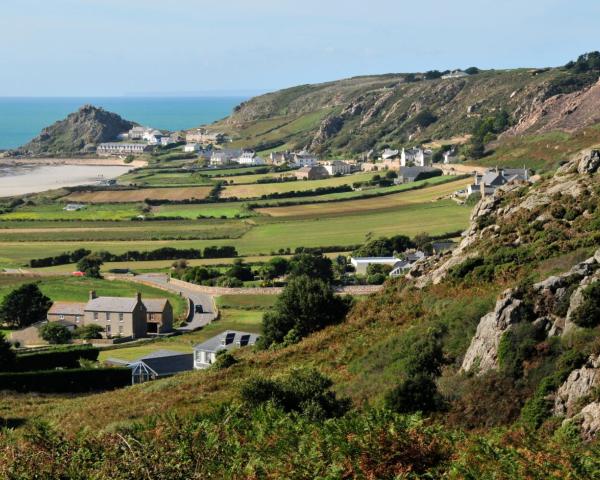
{"x":494,"y":178}
{"x":337,"y":167}
{"x":415,"y":157}
{"x":316,"y":172}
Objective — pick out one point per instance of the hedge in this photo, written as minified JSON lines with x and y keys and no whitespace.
{"x":65,"y":357}
{"x":66,"y":381}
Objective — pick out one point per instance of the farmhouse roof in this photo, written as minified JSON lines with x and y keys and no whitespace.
{"x":155,"y":305}
{"x":111,"y":304}
{"x":67,"y":308}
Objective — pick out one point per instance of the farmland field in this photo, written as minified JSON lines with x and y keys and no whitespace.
{"x":269,"y":235}
{"x":225,"y":209}
{"x":127,"y":196}
{"x":256,"y":190}
{"x":166,"y":179}
{"x":370,"y":204}
{"x":90,"y":212}
{"x":245,"y":179}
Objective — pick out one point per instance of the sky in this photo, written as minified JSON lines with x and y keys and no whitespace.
{"x":239,"y":47}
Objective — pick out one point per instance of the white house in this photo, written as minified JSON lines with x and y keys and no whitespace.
{"x":487,"y":183}
{"x":118,"y":148}
{"x":167,"y":140}
{"x":137,"y":133}
{"x":153,"y":137}
{"x":361,"y":264}
{"x":250,"y":158}
{"x":450,"y":156}
{"x":205,"y":354}
{"x":337,"y":167}
{"x":73,"y":207}
{"x":416,"y":157}
{"x":389,"y":153}
{"x":191,"y":148}
{"x":223,"y":157}
{"x":304,"y":159}
{"x":455,"y":74}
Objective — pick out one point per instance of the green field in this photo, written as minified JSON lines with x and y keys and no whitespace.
{"x":55,"y":211}
{"x":235,"y":314}
{"x":245,"y":179}
{"x":76,"y":289}
{"x":154,"y":179}
{"x":270,"y":235}
{"x":256,"y":190}
{"x":217,"y":210}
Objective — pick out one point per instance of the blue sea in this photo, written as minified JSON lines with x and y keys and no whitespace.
{"x":21,"y":119}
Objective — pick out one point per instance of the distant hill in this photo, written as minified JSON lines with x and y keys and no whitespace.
{"x":358,"y":114}
{"x":77,"y":133}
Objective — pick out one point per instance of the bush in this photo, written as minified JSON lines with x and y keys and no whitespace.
{"x":55,"y":333}
{"x":306,"y":305}
{"x":224,"y":360}
{"x":588,"y":313}
{"x":62,"y":357}
{"x":415,"y":394}
{"x":313,"y":265}
{"x":517,"y":345}
{"x":305,"y":391}
{"x":66,"y":381}
{"x":89,"y":332}
{"x":90,"y":265}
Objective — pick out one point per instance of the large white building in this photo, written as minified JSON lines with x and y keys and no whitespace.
{"x":191,"y":148}
{"x":223,"y":157}
{"x":118,"y":148}
{"x":304,"y":159}
{"x":337,"y":167}
{"x":250,"y":158}
{"x":415,"y":157}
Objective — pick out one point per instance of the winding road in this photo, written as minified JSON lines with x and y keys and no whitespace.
{"x":199,"y":320}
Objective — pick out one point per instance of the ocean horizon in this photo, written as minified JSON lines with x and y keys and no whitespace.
{"x":22,"y":118}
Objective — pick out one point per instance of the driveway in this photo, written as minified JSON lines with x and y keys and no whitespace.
{"x":200,"y":319}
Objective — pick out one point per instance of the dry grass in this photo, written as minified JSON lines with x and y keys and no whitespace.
{"x":127,"y":196}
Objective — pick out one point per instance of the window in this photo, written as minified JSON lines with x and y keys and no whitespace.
{"x":108,"y":329}
{"x":120,"y":318}
{"x":108,"y":316}
{"x":62,"y":317}
{"x":120,"y":329}
{"x":95,"y":315}
{"x":77,"y":318}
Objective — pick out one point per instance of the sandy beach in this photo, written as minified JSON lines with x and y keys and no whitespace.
{"x":21,"y":179}
{"x":98,"y":161}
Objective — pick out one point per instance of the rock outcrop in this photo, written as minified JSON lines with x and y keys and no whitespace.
{"x":579,"y":384}
{"x":588,"y":420}
{"x":482,"y":354}
{"x":78,"y":133}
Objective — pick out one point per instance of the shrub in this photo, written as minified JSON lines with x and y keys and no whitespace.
{"x":89,"y":332}
{"x":517,"y":345}
{"x":305,"y":391}
{"x":66,"y":381}
{"x":588,"y":313}
{"x":60,"y":357}
{"x":55,"y":333}
{"x":313,"y":265}
{"x":7,"y":355}
{"x":306,"y":305}
{"x":416,"y":393}
{"x":90,"y":265}
{"x":224,"y":360}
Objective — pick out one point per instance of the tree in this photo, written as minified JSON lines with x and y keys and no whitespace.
{"x":305,"y":306}
{"x":472,"y":70}
{"x":312,"y":265}
{"x":89,"y":332}
{"x":90,"y":265}
{"x":377,"y":273}
{"x":422,"y":240}
{"x":7,"y":355}
{"x":432,"y":74}
{"x":24,"y":305}
{"x":55,"y":333}
{"x":415,"y":394}
{"x":240,"y":271}
{"x":274,"y":268}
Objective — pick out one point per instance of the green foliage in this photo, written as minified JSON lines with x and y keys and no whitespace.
{"x":587,"y":62}
{"x":517,"y":345}
{"x":304,"y":391}
{"x":472,"y":70}
{"x":485,"y":131}
{"x":384,"y":247}
{"x":305,"y":306}
{"x":58,"y":357}
{"x":66,"y":381}
{"x":7,"y":354}
{"x":55,"y":333}
{"x":224,"y":360}
{"x":417,"y":393}
{"x":423,"y":119}
{"x":24,"y":306}
{"x":89,"y":332}
{"x":312,"y":265}
{"x":274,"y":268}
{"x":90,"y":265}
{"x":588,"y":313}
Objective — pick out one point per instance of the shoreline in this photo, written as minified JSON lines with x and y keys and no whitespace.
{"x":49,"y":161}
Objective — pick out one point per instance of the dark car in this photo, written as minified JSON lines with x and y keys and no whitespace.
{"x":198,"y":309}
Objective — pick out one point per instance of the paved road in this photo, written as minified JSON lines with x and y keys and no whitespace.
{"x":200,"y":319}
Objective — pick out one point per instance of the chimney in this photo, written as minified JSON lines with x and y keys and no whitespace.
{"x":139,"y":296}
{"x":93,"y":294}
